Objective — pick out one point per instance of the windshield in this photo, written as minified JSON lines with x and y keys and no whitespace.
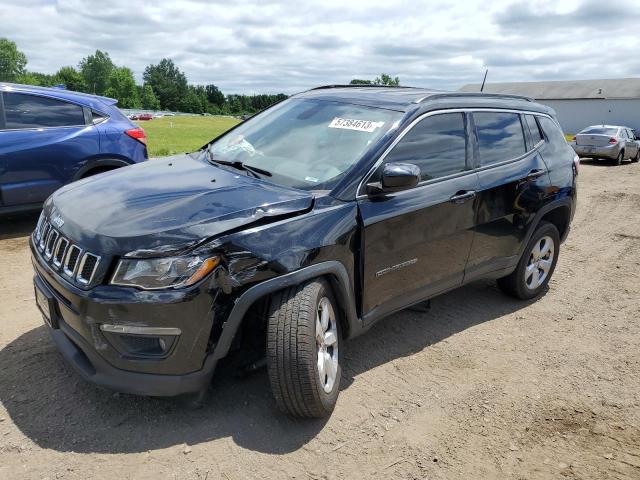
{"x":304,"y":143}
{"x":600,"y":131}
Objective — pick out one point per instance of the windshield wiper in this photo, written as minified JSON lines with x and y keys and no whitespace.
{"x":256,"y":171}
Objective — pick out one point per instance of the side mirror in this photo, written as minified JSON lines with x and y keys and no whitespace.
{"x":396,"y":177}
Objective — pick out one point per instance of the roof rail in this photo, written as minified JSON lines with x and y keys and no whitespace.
{"x":54,"y":90}
{"x":355,"y":85}
{"x":473,"y":94}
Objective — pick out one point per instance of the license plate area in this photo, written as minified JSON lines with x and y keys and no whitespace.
{"x":46,"y":304}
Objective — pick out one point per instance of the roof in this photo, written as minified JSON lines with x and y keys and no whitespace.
{"x":395,"y":98}
{"x":61,"y":93}
{"x":623,"y":88}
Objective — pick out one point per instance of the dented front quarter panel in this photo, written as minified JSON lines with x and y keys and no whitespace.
{"x":251,"y":256}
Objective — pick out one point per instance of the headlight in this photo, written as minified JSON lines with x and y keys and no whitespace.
{"x":168,"y":272}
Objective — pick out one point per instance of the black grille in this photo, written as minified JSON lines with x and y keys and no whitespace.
{"x":51,"y":241}
{"x":60,"y":250}
{"x":72,"y":261}
{"x":88,"y":265}
{"x":43,"y":237}
{"x":139,"y":344}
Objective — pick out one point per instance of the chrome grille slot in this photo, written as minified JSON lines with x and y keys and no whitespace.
{"x":51,"y":241}
{"x":71,"y":260}
{"x":46,"y":226}
{"x":60,"y":250}
{"x":41,"y":222}
{"x":62,"y":256}
{"x":87,"y":268}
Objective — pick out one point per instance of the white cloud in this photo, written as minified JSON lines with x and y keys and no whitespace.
{"x":288,"y":46}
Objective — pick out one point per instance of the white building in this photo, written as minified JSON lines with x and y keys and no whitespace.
{"x":580,"y":103}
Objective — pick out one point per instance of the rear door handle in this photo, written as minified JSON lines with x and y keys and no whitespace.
{"x":462,"y":196}
{"x":533,"y":174}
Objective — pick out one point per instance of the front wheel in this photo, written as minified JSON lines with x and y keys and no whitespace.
{"x":303,"y":349}
{"x":536,"y":265}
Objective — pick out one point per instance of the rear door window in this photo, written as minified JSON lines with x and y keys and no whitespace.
{"x":437,"y":144}
{"x":31,"y":111}
{"x":500,"y":136}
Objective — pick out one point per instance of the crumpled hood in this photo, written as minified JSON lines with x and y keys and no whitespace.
{"x":166,"y":205}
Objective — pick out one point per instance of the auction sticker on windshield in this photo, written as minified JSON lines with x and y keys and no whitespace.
{"x":353,"y":124}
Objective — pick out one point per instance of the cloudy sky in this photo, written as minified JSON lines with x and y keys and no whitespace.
{"x":291,"y":45}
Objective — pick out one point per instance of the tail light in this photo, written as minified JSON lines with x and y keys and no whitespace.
{"x":138,"y":134}
{"x":576,"y":163}
{"x":574,"y":139}
{"x":613,"y":140}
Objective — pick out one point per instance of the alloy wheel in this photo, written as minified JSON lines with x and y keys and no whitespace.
{"x":540,"y":262}
{"x":326,"y":344}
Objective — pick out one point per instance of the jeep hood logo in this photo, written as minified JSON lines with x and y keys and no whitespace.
{"x":57,"y":220}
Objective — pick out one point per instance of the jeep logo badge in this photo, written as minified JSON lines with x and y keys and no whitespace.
{"x":57,"y":221}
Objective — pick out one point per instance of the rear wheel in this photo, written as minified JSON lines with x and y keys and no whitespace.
{"x":303,"y":349}
{"x":536,"y":265}
{"x":619,"y":158}
{"x":637,"y":157}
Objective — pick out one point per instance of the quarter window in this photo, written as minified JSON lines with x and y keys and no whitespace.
{"x":534,"y":129}
{"x":500,"y":136}
{"x":552,"y":131}
{"x":31,"y":111}
{"x":437,"y":145}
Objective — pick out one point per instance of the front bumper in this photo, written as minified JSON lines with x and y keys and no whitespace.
{"x":608,"y":151}
{"x":77,"y":317}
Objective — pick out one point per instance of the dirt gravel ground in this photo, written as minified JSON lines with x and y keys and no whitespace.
{"x":481,"y":386}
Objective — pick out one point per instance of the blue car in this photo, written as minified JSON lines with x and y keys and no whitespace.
{"x":50,"y":137}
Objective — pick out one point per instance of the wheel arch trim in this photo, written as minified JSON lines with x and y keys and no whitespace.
{"x":555,"y":205}
{"x":338,"y":277}
{"x":99,"y":163}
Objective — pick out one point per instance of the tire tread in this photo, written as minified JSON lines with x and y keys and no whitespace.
{"x":291,"y":350}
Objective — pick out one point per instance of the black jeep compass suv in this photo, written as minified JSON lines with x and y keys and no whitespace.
{"x":296,"y":230}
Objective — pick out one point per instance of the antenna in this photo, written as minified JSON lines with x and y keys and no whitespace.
{"x":484,"y":79}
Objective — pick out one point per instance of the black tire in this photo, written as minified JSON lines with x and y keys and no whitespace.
{"x":515,"y":284}
{"x":292,"y":351}
{"x":636,"y":159}
{"x":619,"y":158}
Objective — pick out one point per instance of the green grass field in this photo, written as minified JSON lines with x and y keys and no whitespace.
{"x":171,"y":135}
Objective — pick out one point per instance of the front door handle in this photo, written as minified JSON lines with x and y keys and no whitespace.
{"x":462,"y":196}
{"x":533,"y":174}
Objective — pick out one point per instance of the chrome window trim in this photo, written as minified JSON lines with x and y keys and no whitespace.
{"x":43,"y":128}
{"x":384,"y":154}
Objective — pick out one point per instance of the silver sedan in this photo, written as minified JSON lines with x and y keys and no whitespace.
{"x":607,"y":141}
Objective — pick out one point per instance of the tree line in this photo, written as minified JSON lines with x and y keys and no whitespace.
{"x":164,"y":86}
